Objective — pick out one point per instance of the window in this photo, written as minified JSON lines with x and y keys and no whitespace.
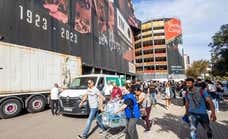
{"x":159,"y":42}
{"x":81,"y":82}
{"x":149,"y":67}
{"x":100,"y":84}
{"x":161,"y":67}
{"x":138,"y":53}
{"x":163,"y":50}
{"x":159,"y":34}
{"x":147,"y":43}
{"x":138,"y":45}
{"x":146,"y":36}
{"x":148,"y":52}
{"x":139,"y":68}
{"x":149,"y":60}
{"x":138,"y":60}
{"x":158,"y":28}
{"x":145,"y":30}
{"x":160,"y":58}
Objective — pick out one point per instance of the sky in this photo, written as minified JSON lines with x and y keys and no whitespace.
{"x":200,"y":20}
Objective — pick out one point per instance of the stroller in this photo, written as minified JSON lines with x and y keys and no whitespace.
{"x":114,"y":123}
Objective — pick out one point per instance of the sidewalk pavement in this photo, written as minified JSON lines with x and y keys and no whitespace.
{"x":168,"y":124}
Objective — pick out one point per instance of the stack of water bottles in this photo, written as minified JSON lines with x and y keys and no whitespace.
{"x":110,"y":119}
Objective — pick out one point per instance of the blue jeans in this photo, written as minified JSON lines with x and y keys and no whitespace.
{"x":92,"y":115}
{"x":203,"y":119}
{"x":216,"y":103}
{"x":153,"y":98}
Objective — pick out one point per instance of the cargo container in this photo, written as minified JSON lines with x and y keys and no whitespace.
{"x":27,"y":74}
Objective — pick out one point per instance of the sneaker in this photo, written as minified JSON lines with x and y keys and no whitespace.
{"x":81,"y":137}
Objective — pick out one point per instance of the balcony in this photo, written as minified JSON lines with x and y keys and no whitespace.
{"x":149,"y":71}
{"x":138,"y":57}
{"x":147,"y":39}
{"x":139,"y":64}
{"x":153,"y":71}
{"x":138,"y":41}
{"x":159,"y":46}
{"x":138,"y":49}
{"x":160,"y":54}
{"x":159,"y":31}
{"x":147,"y":33}
{"x":161,"y":62}
{"x":148,"y":47}
{"x":139,"y":71}
{"x":158,"y":23}
{"x":148,"y":63}
{"x":162,"y":71}
{"x":148,"y":55}
{"x":146,"y":26}
{"x":158,"y":37}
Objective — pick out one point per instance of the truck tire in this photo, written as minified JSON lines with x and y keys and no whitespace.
{"x":36,"y":104}
{"x":10,"y":108}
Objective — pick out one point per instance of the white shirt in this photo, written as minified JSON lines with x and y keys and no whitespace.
{"x":93,"y":97}
{"x":54,"y":93}
{"x":147,"y":101}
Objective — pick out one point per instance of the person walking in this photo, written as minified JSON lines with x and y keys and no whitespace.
{"x":145,"y":106}
{"x":196,"y":100}
{"x":132,"y":113}
{"x":153,"y":93}
{"x":220,"y":90}
{"x":167,"y":95}
{"x":213,"y":93}
{"x":93,"y":96}
{"x":55,"y":105}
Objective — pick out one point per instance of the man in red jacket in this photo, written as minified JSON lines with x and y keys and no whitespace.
{"x":116,"y":92}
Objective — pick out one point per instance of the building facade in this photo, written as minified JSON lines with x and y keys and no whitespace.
{"x":100,"y":32}
{"x":159,"y":51}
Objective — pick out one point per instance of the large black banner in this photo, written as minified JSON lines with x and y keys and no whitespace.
{"x":173,"y":35}
{"x":84,"y":28}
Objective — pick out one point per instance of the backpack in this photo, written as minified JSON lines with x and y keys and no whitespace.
{"x":201,"y":93}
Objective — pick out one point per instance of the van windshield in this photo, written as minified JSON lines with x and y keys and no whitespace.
{"x":81,"y":82}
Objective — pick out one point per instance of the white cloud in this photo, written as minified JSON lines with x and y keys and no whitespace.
{"x":200,"y":20}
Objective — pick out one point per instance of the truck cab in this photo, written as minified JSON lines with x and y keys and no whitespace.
{"x":72,"y":96}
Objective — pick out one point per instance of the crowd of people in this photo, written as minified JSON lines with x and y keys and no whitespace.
{"x":199,"y":97}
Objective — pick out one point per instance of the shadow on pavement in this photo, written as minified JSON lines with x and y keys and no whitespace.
{"x":93,"y":130}
{"x":223,"y":105}
{"x":172,"y":123}
{"x":75,"y":116}
{"x":177,"y":101}
{"x":162,"y":105}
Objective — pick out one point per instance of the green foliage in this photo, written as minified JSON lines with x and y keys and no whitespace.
{"x":197,"y":68}
{"x":219,"y":47}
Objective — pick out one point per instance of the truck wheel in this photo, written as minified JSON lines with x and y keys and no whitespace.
{"x":36,"y":104}
{"x":10,"y":108}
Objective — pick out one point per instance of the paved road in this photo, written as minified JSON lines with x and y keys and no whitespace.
{"x":167,"y":124}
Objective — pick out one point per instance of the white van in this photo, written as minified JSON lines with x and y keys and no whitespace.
{"x":72,"y":96}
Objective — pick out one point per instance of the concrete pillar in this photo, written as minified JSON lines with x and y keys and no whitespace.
{"x":101,"y":71}
{"x":93,"y":70}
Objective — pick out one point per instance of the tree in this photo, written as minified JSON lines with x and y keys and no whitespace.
{"x":219,"y":51}
{"x":197,"y":68}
